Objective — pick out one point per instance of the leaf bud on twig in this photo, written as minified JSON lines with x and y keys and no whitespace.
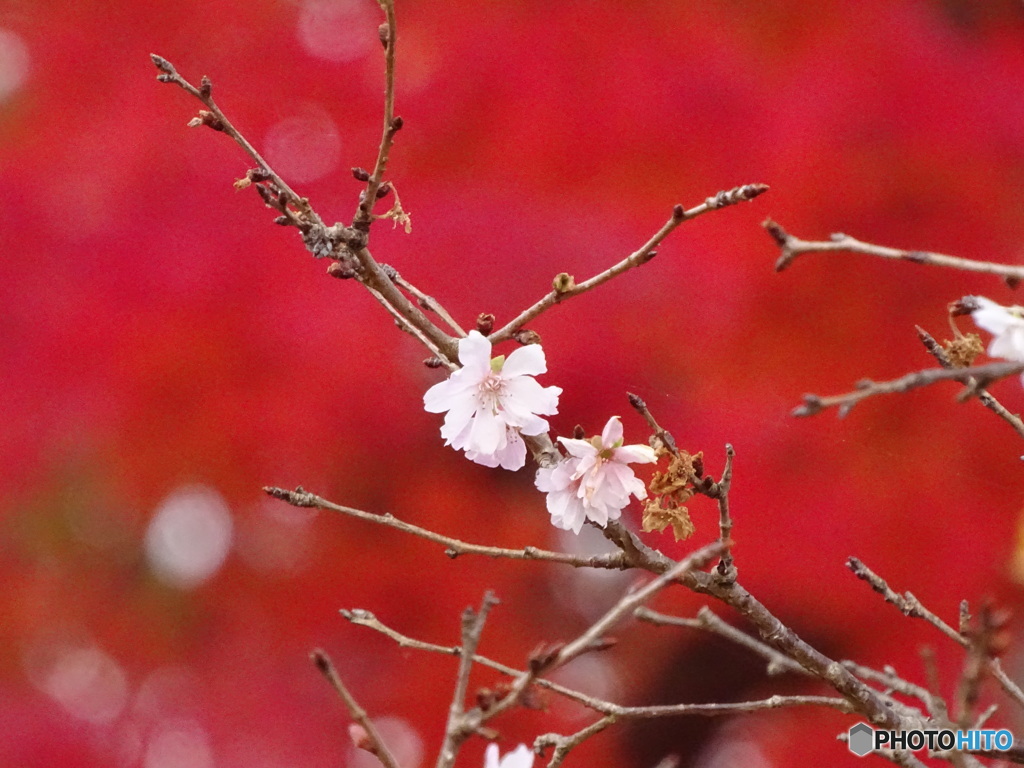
{"x":485,"y":323}
{"x":563,"y":283}
{"x":525,"y":336}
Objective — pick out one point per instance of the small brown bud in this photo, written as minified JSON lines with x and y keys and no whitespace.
{"x":396,"y":124}
{"x":205,"y":87}
{"x":433,"y":362}
{"x":282,"y":221}
{"x":383,"y":190}
{"x":486,"y":698}
{"x":162,"y":64}
{"x":544,"y":655}
{"x":964,"y":306}
{"x":361,"y":174}
{"x":525,"y":336}
{"x":384,"y":34}
{"x":1012,"y":282}
{"x":578,"y":432}
{"x":678,"y":212}
{"x":485,"y":323}
{"x":563,"y":283}
{"x":341,"y":271}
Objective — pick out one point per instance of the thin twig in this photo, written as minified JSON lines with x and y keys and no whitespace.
{"x":346,"y":244}
{"x":792,"y":247}
{"x":388,"y":36}
{"x":907,"y":602}
{"x":455,"y":547}
{"x":564,"y":744}
{"x":403,"y":323}
{"x":726,"y":568}
{"x":566,"y":289}
{"x":219,"y":121}
{"x":911,"y":606}
{"x":376,"y":744}
{"x":985,"y":397}
{"x":631,"y":601}
{"x":709,"y":621}
{"x":975,"y":378}
{"x":428,"y":302}
{"x":364,"y":618}
{"x":458,"y":729}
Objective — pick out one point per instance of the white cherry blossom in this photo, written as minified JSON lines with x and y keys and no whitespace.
{"x":520,"y":757}
{"x":490,"y":403}
{"x":1007,"y":326}
{"x":593,"y":482}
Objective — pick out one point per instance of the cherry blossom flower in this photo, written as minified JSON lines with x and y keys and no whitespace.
{"x":1007,"y":326}
{"x":520,"y":757}
{"x":491,"y":403}
{"x":593,"y":482}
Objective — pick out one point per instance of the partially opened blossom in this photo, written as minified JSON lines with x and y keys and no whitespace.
{"x":1007,"y":326}
{"x":520,"y":757}
{"x":490,"y":403}
{"x":594,"y":481}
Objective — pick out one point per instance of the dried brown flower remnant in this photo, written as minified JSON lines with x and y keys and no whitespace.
{"x":670,"y":490}
{"x":658,"y":517}
{"x":963,"y":350}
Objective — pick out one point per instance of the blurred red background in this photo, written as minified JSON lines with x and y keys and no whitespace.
{"x":165,"y":351}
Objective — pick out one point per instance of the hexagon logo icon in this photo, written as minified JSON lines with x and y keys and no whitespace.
{"x":860,"y":739}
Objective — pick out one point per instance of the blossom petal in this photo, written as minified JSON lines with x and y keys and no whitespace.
{"x":520,"y":757}
{"x":1009,"y":344}
{"x":439,"y":397}
{"x":634,"y":454}
{"x":578,"y":448}
{"x":993,"y":317}
{"x":612,"y":432}
{"x":524,"y":393}
{"x":525,"y":361}
{"x":475,"y":354}
{"x":513,"y":455}
{"x":487,"y":433}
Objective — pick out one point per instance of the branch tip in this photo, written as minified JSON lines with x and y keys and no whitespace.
{"x":163,"y":64}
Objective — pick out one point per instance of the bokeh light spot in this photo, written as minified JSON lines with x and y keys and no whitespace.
{"x":86,"y":681}
{"x":304,"y":147}
{"x":179,"y":744}
{"x":14,"y":63}
{"x":189,"y":536}
{"x":336,"y":30}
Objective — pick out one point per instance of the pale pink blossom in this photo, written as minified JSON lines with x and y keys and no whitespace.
{"x":1007,"y":326}
{"x":490,"y":403}
{"x":593,"y":482}
{"x":520,"y":757}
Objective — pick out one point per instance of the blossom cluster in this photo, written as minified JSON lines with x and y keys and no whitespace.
{"x":491,"y":403}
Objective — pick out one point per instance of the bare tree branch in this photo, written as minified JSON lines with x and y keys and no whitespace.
{"x":975,"y":378}
{"x":376,"y":744}
{"x":986,"y":398}
{"x":455,"y":547}
{"x":792,"y":247}
{"x":566,"y":287}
